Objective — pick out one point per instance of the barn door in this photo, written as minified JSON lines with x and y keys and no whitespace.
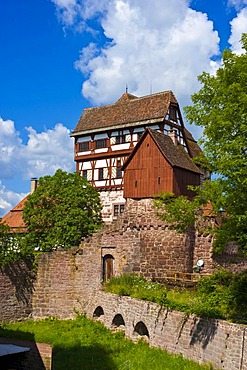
{"x":108,"y":267}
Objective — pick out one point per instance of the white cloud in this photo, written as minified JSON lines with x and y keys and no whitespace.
{"x":149,"y":46}
{"x":67,"y":10}
{"x":43,"y":154}
{"x":153,"y":48}
{"x":8,"y":199}
{"x":9,"y":142}
{"x":73,"y":12}
{"x":237,"y":4}
{"x":238,"y":27}
{"x":47,"y":151}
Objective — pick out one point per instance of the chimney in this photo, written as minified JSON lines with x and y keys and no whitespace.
{"x":34,"y":183}
{"x":173,"y":135}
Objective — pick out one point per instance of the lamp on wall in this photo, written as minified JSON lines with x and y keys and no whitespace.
{"x":199,"y":266}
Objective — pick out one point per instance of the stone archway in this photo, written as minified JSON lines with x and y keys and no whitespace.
{"x":98,"y":312}
{"x":118,"y":321}
{"x":141,"y":329}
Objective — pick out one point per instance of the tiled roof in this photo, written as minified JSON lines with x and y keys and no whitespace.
{"x":14,"y":217}
{"x":174,"y":154}
{"x":128,"y":109}
{"x":194,"y":148}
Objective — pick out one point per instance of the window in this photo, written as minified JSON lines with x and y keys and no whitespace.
{"x":118,"y":209}
{"x":102,"y":143}
{"x":121,"y":139}
{"x":119,"y":173}
{"x":84,"y":146}
{"x":87,"y":174}
{"x":173,"y":114}
{"x":103,"y":173}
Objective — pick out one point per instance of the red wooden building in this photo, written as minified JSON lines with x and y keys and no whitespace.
{"x":159,"y":163}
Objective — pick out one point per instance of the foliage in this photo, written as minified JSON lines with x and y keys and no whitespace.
{"x":225,"y":294}
{"x":220,"y":107}
{"x":9,"y":245}
{"x":84,"y":344}
{"x":63,"y":209}
{"x":221,"y":295}
{"x":136,"y":287}
{"x":179,"y":212}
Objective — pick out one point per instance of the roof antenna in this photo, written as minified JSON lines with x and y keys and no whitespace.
{"x":126,"y":89}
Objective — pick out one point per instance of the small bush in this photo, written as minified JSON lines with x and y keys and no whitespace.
{"x":222,"y":295}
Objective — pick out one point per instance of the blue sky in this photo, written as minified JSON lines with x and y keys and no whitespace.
{"x":60,"y":56}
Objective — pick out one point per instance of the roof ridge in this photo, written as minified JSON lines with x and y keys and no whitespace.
{"x":134,"y":98}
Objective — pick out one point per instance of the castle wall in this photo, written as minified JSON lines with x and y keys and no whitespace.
{"x":151,"y":247}
{"x":69,"y":282}
{"x":16,"y":291}
{"x":65,"y":280}
{"x":218,"y":342}
{"x":138,"y":242}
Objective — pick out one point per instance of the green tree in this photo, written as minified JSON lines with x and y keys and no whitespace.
{"x":9,"y":245}
{"x":6,"y":245}
{"x":179,"y":212}
{"x":220,"y":107}
{"x":63,"y":209}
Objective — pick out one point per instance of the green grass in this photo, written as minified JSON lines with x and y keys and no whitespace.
{"x":82,"y":344}
{"x":223,"y":295}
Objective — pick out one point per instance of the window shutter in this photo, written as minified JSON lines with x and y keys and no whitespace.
{"x":105,"y":173}
{"x":114,"y":172}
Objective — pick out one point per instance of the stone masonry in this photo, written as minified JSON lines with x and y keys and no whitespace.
{"x":69,"y":282}
{"x":217,"y":342}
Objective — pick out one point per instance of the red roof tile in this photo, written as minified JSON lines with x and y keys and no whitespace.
{"x":14,"y":217}
{"x":174,"y":154}
{"x":128,"y":109}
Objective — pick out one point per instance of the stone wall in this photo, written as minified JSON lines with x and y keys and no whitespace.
{"x":16,"y":290}
{"x":218,"y":342}
{"x":140,"y":242}
{"x":65,"y":280}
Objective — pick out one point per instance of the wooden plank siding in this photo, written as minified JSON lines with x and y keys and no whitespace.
{"x":183,"y":178}
{"x":147,"y":173}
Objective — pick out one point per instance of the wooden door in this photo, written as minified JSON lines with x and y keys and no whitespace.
{"x":108,"y":267}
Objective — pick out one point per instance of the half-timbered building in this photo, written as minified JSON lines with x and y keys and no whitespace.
{"x":105,"y":136}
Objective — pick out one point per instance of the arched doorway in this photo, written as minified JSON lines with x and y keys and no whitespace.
{"x":108,"y":267}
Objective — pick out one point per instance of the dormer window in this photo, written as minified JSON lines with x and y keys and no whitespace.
{"x":173,"y":114}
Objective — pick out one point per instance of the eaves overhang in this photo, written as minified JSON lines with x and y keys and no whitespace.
{"x":118,"y":126}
